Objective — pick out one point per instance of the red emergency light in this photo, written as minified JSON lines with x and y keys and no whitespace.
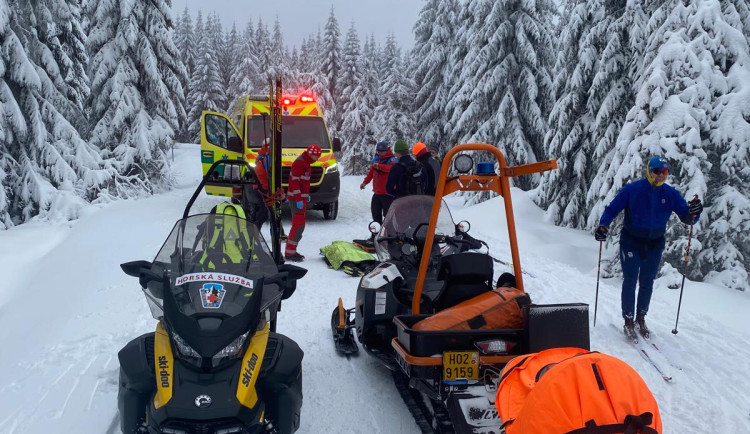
{"x":286,"y":101}
{"x":306,"y":98}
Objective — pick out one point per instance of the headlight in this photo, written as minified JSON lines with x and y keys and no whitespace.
{"x":187,"y":353}
{"x":230,"y":351}
{"x":333,"y":168}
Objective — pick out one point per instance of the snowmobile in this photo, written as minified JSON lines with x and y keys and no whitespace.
{"x":432,"y":269}
{"x":214,"y":364}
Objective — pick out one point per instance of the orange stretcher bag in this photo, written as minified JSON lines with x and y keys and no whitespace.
{"x":501,"y":308}
{"x":573,"y":391}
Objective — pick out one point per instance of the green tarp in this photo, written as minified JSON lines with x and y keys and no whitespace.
{"x":345,"y":255}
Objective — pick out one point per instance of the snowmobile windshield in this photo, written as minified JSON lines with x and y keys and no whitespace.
{"x":212,"y":263}
{"x":409,"y":216}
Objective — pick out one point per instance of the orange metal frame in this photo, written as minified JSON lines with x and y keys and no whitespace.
{"x":498,"y":183}
{"x":438,"y":360}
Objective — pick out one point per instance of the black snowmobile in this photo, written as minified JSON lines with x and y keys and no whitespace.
{"x":387,"y":291}
{"x":448,"y":373}
{"x":214,"y":364}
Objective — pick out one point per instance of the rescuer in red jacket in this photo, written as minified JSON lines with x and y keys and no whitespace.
{"x":299,"y":194}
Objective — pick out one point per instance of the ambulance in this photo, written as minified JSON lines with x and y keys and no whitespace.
{"x":240,"y":136}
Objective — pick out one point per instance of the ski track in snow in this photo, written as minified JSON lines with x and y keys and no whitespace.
{"x":61,"y":332}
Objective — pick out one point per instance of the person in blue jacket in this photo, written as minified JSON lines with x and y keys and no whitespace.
{"x":648,"y":204}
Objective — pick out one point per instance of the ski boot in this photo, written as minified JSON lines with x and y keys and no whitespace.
{"x":629,"y":329}
{"x":640,"y":322}
{"x":296,"y":257}
{"x":342,"y":326}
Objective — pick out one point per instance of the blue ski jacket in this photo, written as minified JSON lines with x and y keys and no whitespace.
{"x":647,"y":209}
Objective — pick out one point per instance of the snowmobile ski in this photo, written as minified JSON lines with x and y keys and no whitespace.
{"x":341,"y":327}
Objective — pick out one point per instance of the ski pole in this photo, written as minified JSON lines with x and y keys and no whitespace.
{"x":598,"y":270}
{"x":684,"y":271}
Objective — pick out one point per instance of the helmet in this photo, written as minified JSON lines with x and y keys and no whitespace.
{"x":381,"y":146}
{"x":313,"y":150}
{"x":418,"y":148}
{"x":658,"y":163}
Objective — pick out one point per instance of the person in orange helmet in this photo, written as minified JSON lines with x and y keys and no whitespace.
{"x":431,"y":166}
{"x":298,"y":195}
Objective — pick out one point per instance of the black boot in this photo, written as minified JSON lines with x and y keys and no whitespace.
{"x":640,"y":321}
{"x":629,"y":329}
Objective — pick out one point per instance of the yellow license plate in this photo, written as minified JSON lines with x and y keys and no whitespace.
{"x":460,"y":365}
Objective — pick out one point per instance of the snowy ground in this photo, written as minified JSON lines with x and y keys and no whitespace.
{"x":66,"y":309}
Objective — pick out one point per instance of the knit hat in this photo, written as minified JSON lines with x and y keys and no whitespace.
{"x":418,"y":149}
{"x":401,"y":147}
{"x":381,"y":146}
{"x":313,"y":150}
{"x":433,"y":148}
{"x":658,"y":163}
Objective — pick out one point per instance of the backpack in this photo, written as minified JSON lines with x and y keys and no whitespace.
{"x":574,"y":391}
{"x":501,"y":308}
{"x":225,"y":238}
{"x":412,"y":181}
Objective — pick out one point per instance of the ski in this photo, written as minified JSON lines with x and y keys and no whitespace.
{"x":667,"y":358}
{"x":647,"y":357}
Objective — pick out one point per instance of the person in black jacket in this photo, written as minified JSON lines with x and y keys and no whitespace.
{"x":431,"y":166}
{"x":398,"y":183}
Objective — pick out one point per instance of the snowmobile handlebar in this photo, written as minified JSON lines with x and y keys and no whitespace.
{"x":249,"y":178}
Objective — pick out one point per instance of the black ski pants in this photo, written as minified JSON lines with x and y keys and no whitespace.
{"x":379,"y":206}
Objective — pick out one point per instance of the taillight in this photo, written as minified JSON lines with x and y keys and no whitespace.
{"x":495,"y":346}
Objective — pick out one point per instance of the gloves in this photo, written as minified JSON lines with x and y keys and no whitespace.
{"x":362,"y":186}
{"x":601,"y":233}
{"x":696,"y":207}
{"x":299,"y":204}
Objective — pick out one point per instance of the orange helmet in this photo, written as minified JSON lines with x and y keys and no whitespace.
{"x":418,"y":148}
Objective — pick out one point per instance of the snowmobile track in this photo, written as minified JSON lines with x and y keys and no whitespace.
{"x":429,"y":422}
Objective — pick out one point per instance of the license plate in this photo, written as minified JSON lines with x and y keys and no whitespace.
{"x":460,"y":365}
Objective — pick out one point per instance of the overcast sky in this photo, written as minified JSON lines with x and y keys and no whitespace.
{"x":302,"y":18}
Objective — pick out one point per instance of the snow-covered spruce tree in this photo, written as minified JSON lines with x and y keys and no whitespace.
{"x":135,"y":75}
{"x":184,"y":39}
{"x":583,"y":37}
{"x":277,"y":59}
{"x":359,"y":129}
{"x":689,"y":108}
{"x":504,"y":92}
{"x":738,"y":12}
{"x":46,"y":168}
{"x":350,"y":68}
{"x":331,"y":67}
{"x":228,"y":58}
{"x":395,"y":113}
{"x":263,"y":54}
{"x":246,"y":70}
{"x":214,"y":31}
{"x":206,"y":89}
{"x":435,"y":38}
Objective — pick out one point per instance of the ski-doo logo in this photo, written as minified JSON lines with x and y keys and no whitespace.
{"x":247,"y":376}
{"x":164,"y":371}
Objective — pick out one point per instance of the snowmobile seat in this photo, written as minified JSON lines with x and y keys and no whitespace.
{"x":466,"y":275}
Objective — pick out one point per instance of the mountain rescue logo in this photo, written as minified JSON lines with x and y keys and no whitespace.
{"x":212,"y":294}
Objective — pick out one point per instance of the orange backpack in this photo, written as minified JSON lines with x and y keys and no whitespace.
{"x":501,"y":308}
{"x":573,"y":391}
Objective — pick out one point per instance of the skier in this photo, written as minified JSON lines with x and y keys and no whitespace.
{"x":406,"y":176}
{"x":378,"y":174}
{"x":299,"y":195}
{"x":431,"y":166}
{"x":648,"y":204}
